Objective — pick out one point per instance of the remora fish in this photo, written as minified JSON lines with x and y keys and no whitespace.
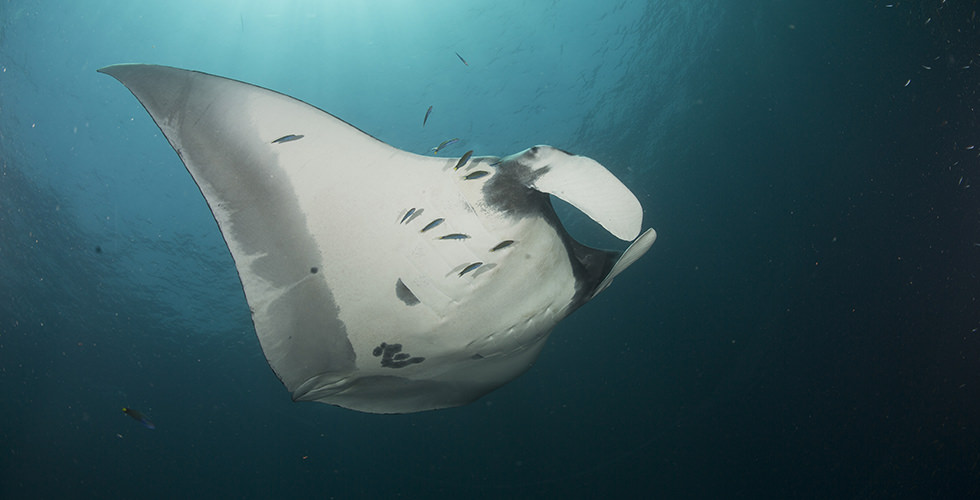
{"x":438,"y":148}
{"x":465,"y":158}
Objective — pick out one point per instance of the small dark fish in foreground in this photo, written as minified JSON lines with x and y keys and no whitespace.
{"x":407,"y":215}
{"x":137,"y":415}
{"x":470,"y":268}
{"x":432,"y":224}
{"x":427,"y":112}
{"x":465,"y":158}
{"x":288,"y":138}
{"x":476,"y":175}
{"x":461,"y":59}
{"x":502,"y":245}
{"x":438,"y":148}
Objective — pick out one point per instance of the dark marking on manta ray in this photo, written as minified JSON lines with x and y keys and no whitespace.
{"x":313,"y":270}
{"x":454,"y":236}
{"x":506,"y":191}
{"x":476,"y":175}
{"x":476,"y":356}
{"x":393,"y":357}
{"x":470,"y":268}
{"x":502,"y":245}
{"x":288,"y":138}
{"x":98,"y":249}
{"x":432,"y":224}
{"x":404,"y":294}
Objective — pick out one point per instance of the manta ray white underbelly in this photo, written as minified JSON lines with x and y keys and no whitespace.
{"x":380,"y":280}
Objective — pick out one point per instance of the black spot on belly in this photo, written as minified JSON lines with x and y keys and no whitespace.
{"x":393,"y":357}
{"x":404,"y":294}
{"x":313,"y":270}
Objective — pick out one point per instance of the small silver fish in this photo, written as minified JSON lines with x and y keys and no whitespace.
{"x":443,"y":144}
{"x":432,"y":224}
{"x":502,"y":244}
{"x":465,"y":158}
{"x":461,"y":59}
{"x":138,"y":416}
{"x":455,"y":236}
{"x":288,"y":138}
{"x":407,"y":215}
{"x":427,"y":112}
{"x":470,"y":268}
{"x":476,"y":175}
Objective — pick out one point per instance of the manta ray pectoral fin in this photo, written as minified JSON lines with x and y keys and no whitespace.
{"x":631,"y":255}
{"x":587,"y":186}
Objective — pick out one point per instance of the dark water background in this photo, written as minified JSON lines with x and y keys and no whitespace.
{"x":804,"y":327}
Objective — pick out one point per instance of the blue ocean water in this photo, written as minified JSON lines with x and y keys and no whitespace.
{"x":804,"y":327}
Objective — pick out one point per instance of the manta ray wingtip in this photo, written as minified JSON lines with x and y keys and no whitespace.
{"x":113,"y":69}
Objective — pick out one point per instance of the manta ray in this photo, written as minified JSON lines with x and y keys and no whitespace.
{"x":377,"y":279}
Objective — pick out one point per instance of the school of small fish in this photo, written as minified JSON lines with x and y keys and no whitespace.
{"x":425,"y":119}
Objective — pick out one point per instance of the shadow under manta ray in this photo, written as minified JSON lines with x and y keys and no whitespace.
{"x":380,"y":280}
